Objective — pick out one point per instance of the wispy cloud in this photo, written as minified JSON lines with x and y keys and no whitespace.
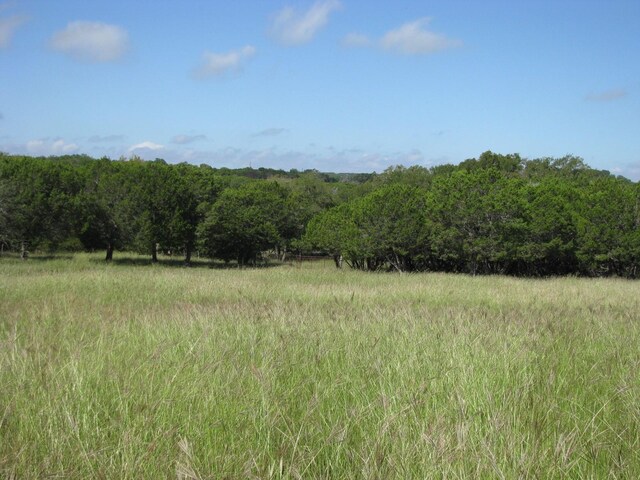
{"x":8,"y":27}
{"x":145,"y":146}
{"x":326,"y":160}
{"x":91,"y":41}
{"x":185,"y":139}
{"x":106,"y":138}
{"x":269,"y":132}
{"x":292,"y":27}
{"x":414,"y":38}
{"x":631,"y":171}
{"x":356,"y":40}
{"x":216,"y":64}
{"x":607,"y":95}
{"x":50,"y":147}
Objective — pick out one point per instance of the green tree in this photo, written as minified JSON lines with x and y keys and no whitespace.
{"x":166,"y":207}
{"x":476,"y":220}
{"x":549,"y":247}
{"x":511,"y":163}
{"x":106,"y":206}
{"x":43,"y":192}
{"x":386,"y":227}
{"x":244,"y":222}
{"x":9,"y":211}
{"x":607,"y":236}
{"x":332,"y":231}
{"x":392,"y":225}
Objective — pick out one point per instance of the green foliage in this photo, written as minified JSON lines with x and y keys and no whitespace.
{"x":391,"y":222}
{"x":476,"y":220}
{"x":41,"y":211}
{"x":244,"y":222}
{"x":106,"y":206}
{"x":491,"y":215}
{"x":164,"y":207}
{"x":415,"y":176}
{"x":609,"y":228}
{"x":511,"y":163}
{"x":494,"y":214}
{"x":384,"y":227}
{"x":9,"y":214}
{"x":549,"y":248}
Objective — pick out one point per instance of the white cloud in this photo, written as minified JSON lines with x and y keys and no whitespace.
{"x":324,"y":159}
{"x":631,"y":171}
{"x":91,"y":41}
{"x":185,"y":139}
{"x":413,"y":38}
{"x":145,"y":146}
{"x":607,"y":96}
{"x":291,"y":27}
{"x":8,"y":27}
{"x":216,"y":64}
{"x":353,"y":40}
{"x":47,"y":147}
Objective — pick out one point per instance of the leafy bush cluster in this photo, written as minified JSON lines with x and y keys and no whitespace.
{"x":78,"y":203}
{"x":494,"y":214}
{"x":487,"y":222}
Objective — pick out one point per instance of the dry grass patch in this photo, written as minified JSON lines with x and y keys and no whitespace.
{"x":308,"y":372}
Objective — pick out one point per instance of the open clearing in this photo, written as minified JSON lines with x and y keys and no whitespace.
{"x":303,"y":371}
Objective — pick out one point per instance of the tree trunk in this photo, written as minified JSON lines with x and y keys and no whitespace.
{"x":109,"y":255}
{"x":395,"y":262}
{"x":338,"y":260}
{"x":154,"y":253}
{"x":23,"y":251}
{"x":187,"y":257}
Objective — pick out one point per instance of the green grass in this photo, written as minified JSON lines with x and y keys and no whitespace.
{"x":140,"y":371}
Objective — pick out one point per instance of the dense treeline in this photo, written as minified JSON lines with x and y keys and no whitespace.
{"x":78,"y":203}
{"x":497,"y":214}
{"x":494,"y":214}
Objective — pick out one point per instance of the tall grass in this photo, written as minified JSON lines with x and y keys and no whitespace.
{"x":133,"y":371}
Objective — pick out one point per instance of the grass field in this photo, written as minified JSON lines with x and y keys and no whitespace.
{"x":138,"y":371}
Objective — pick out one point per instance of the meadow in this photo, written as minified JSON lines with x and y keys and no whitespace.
{"x":131,"y":371}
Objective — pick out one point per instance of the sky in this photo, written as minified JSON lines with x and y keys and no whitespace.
{"x":332,"y":85}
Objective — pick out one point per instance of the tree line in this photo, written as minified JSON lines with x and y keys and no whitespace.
{"x":494,"y":214}
{"x":73,"y":203}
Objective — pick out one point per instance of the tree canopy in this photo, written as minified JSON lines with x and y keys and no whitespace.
{"x":494,"y":214}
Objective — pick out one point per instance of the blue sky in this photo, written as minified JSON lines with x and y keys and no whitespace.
{"x":336,"y":85}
